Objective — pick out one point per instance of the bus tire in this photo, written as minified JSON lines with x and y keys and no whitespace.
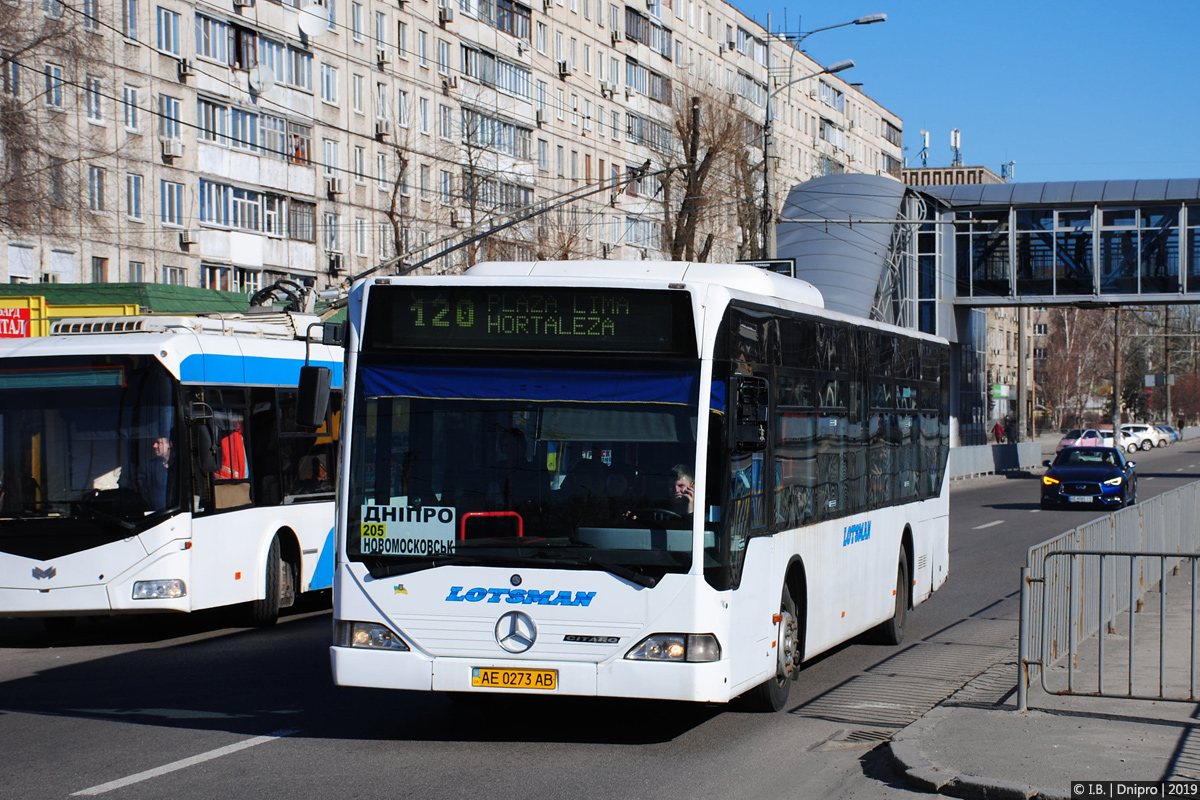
{"x":265,"y":613}
{"x":771,"y":695}
{"x":892,"y":631}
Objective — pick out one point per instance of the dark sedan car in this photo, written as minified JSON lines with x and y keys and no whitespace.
{"x":1089,"y":476}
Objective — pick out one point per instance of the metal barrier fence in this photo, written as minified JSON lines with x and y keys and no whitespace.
{"x":1100,"y":574}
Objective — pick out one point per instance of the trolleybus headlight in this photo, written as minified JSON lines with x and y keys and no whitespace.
{"x":1048,"y":481}
{"x":370,"y":635}
{"x":679,"y":647}
{"x":159,"y":590}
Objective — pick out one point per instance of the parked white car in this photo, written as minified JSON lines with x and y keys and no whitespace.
{"x":1146,"y":436}
{"x":1128,"y":444}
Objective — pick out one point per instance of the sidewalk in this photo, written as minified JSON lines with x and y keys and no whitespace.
{"x":982,"y":750}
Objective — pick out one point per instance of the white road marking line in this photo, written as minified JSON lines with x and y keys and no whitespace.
{"x":988,"y":525}
{"x":182,"y":764}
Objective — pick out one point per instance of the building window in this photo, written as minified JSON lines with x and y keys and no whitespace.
{"x":54,"y":85}
{"x":356,"y":93}
{"x":274,"y":214}
{"x":212,"y":39}
{"x":174,"y":276}
{"x":210,"y":121}
{"x":137,"y":272}
{"x":171,"y":194}
{"x":133,"y":196}
{"x":299,"y":69}
{"x":360,"y":236}
{"x":447,"y":188}
{"x":356,"y":21}
{"x":243,"y":129}
{"x":168,"y":111}
{"x":168,"y":31}
{"x":330,"y":156}
{"x":329,"y":84}
{"x":96,"y":176}
{"x":218,"y":278}
{"x":99,"y":269}
{"x":302,"y":221}
{"x":331,"y":230}
{"x":95,"y":106}
{"x":129,"y":99}
{"x":129,"y":19}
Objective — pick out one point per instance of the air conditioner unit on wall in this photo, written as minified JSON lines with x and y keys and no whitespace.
{"x":564,"y":69}
{"x":383,"y":127}
{"x":540,"y":117}
{"x":616,"y":36}
{"x":445,"y":15}
{"x":335,"y":264}
{"x":172,"y":148}
{"x":188,"y":238}
{"x":382,"y":56}
{"x":185,"y":69}
{"x":243,"y":3}
{"x":334,"y":187}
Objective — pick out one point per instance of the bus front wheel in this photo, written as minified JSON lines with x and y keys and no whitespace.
{"x":772,"y":694}
{"x":892,"y":631}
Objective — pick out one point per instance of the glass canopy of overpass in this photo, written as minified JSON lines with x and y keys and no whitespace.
{"x":1105,"y":241}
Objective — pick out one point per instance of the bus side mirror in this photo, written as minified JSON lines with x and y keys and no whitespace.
{"x":750,"y":419}
{"x":312,"y":401}
{"x":206,"y":450}
{"x":333,"y":334}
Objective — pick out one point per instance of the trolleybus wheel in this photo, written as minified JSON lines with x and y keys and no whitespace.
{"x":265,"y":612}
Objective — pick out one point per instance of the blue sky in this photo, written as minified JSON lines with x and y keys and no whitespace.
{"x":1067,"y":90}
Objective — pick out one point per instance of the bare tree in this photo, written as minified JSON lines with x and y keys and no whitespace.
{"x":44,"y":59}
{"x":709,"y":154}
{"x":1079,"y":357}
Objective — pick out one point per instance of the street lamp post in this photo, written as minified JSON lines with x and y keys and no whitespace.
{"x":768,"y":211}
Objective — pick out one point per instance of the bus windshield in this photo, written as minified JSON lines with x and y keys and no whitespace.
{"x":92,"y":439}
{"x":558,"y":467}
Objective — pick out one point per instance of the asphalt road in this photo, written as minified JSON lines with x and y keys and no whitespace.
{"x":190,"y":707}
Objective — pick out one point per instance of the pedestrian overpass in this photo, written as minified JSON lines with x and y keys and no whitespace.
{"x":933,"y":257}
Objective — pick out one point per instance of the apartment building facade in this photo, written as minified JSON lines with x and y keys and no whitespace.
{"x":228,"y":144}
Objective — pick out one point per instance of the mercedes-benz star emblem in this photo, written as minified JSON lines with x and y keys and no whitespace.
{"x":516,"y":632}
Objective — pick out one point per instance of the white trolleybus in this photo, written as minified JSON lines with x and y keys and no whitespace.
{"x":633,"y":479}
{"x":156,"y":463}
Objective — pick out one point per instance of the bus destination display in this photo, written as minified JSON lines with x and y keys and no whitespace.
{"x":534,"y":318}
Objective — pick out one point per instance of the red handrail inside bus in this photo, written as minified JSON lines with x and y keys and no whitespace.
{"x":462,"y":528}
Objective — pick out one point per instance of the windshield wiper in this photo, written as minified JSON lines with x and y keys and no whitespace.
{"x":389,"y":570}
{"x":631,"y":575}
{"x":85,"y":510}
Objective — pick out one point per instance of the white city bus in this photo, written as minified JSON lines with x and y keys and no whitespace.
{"x":634,"y":479}
{"x":155,"y":463}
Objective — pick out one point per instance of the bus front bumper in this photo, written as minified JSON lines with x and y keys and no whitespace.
{"x":624,"y":678}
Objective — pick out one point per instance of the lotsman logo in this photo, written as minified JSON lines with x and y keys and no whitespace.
{"x":522,"y":596}
{"x":859,"y":532}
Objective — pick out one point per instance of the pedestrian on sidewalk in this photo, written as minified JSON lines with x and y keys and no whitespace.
{"x":998,"y":432}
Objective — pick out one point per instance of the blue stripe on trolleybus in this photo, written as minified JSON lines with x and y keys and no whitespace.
{"x":323,"y":573}
{"x":258,"y":370}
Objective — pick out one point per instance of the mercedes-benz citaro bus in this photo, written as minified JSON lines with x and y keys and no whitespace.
{"x":156,"y":463}
{"x":629,"y":479}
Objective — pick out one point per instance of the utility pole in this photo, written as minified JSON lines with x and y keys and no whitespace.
{"x":1022,"y":381}
{"x":1116,"y":418}
{"x":1167,"y":359}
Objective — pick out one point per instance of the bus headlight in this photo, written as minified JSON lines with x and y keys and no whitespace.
{"x":159,"y":590}
{"x":370,"y":635}
{"x":678,"y":647}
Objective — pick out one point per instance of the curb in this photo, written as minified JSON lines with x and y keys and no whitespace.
{"x":923,"y":775}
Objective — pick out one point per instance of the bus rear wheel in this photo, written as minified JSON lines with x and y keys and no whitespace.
{"x":772,"y":694}
{"x":892,"y":631}
{"x":265,"y":613}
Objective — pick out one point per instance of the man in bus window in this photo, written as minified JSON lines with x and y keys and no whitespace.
{"x":156,"y":476}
